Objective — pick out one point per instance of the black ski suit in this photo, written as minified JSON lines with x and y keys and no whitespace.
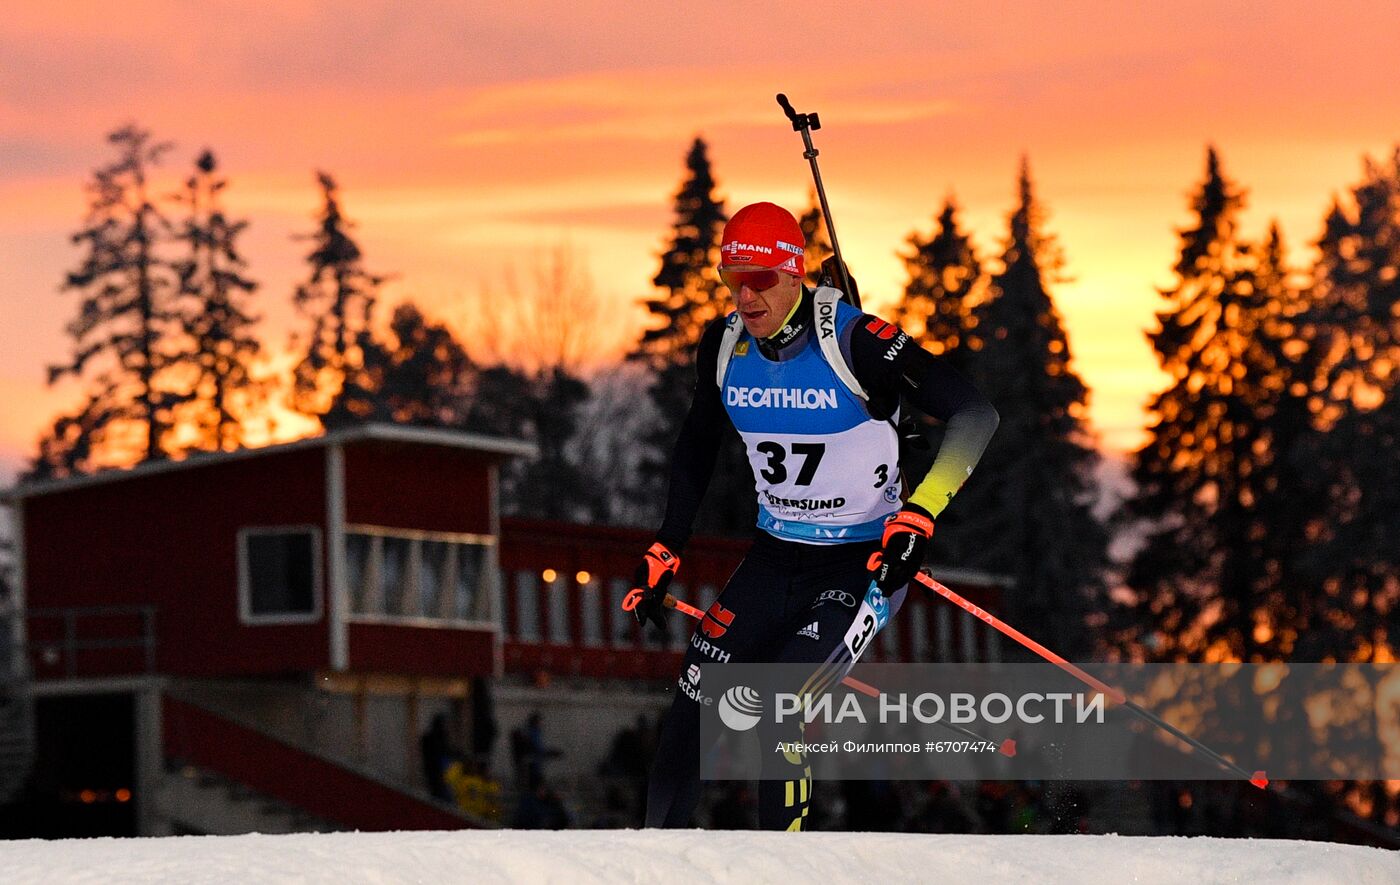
{"x":792,"y":601}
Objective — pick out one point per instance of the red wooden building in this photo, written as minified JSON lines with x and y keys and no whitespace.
{"x":362,"y":563}
{"x":351,"y":551}
{"x":282,"y":623}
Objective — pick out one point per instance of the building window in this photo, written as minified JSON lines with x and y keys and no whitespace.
{"x":558,"y":590}
{"x":393,"y":575}
{"x":527,"y":606}
{"x":470,"y":602}
{"x":432,"y":576}
{"x":592,"y":600}
{"x":405,"y":575}
{"x":622,"y":621}
{"x":279,"y":574}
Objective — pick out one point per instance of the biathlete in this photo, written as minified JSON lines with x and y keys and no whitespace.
{"x":813,"y":386}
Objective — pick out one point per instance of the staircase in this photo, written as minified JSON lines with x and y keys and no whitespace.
{"x":197,"y":800}
{"x":16,"y":740}
{"x":16,"y":711}
{"x":224,"y":762}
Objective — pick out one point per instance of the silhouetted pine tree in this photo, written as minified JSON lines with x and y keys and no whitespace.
{"x":424,"y":375}
{"x":552,"y":486}
{"x":945,"y":283}
{"x":124,"y":324}
{"x":818,"y":247}
{"x":1028,"y":514}
{"x":688,"y":277}
{"x":221,"y":345}
{"x":1290,"y":492}
{"x":334,"y":380}
{"x":1354,"y":325}
{"x":691,"y":297}
{"x":1217,"y":480}
{"x":545,"y":409}
{"x":501,"y":406}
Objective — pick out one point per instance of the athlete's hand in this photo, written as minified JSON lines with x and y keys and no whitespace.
{"x":653,"y":576}
{"x":902,"y":548}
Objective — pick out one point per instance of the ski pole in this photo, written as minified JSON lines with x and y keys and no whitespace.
{"x":805,"y":123}
{"x":1258,"y":778}
{"x":634,"y":596}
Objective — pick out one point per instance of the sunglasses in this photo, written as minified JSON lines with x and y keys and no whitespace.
{"x":757,"y":280}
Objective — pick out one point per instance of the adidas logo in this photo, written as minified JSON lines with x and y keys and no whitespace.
{"x":810,"y":631}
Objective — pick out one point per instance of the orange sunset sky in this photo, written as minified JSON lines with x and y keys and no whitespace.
{"x":470,"y":136}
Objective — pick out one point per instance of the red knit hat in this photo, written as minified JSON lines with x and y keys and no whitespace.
{"x":766,"y":235}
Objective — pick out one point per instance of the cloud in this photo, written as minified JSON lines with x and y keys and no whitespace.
{"x":689,"y":100}
{"x":465,"y":135}
{"x":647,"y":218}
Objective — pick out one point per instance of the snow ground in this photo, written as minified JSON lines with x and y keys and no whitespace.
{"x":653,"y":857}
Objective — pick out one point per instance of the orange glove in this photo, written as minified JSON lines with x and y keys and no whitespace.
{"x":903,"y":547}
{"x":653,"y":576}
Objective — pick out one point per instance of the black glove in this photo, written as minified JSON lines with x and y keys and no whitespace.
{"x":653,"y":576}
{"x":902,"y":548}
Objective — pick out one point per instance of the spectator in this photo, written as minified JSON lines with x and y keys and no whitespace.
{"x":629,"y":759}
{"x":484,"y":728}
{"x":438,"y":753}
{"x":541,"y":809}
{"x":528,"y":752}
{"x":475,"y":793}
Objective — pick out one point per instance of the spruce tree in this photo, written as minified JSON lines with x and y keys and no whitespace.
{"x":818,"y":247}
{"x":502,"y":407}
{"x":1354,"y":330}
{"x":123,"y":330}
{"x":688,"y":279}
{"x":1290,"y":493}
{"x":1218,"y":482}
{"x":221,"y":345}
{"x":552,"y":486}
{"x":425,"y":376}
{"x":690,"y":297}
{"x":333,"y":381}
{"x":936,"y":309}
{"x":544,"y":408}
{"x":1028,"y":512}
{"x":945,"y":284}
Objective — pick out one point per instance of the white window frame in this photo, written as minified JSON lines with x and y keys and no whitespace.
{"x":370,"y":583}
{"x":245,"y":590}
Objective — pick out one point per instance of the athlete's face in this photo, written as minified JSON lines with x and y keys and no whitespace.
{"x":764,"y":297}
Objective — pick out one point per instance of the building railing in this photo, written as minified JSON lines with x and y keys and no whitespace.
{"x":574,"y":624}
{"x":74,"y":642}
